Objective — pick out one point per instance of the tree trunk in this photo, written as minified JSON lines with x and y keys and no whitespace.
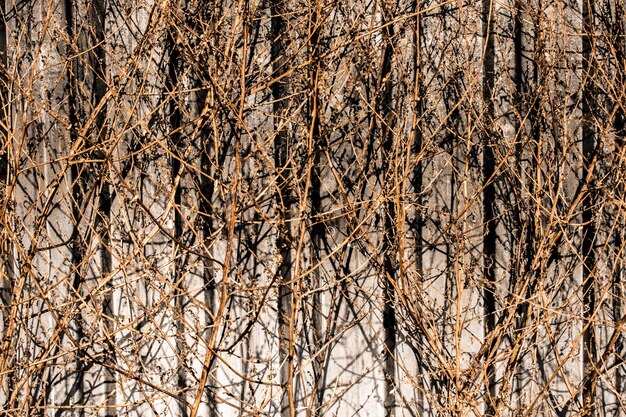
{"x":390,"y":235}
{"x":317,"y":144}
{"x":588,"y":219}
{"x":174,"y":68}
{"x":6,"y":246}
{"x":96,"y":14}
{"x":76,"y":394}
{"x":489,"y":221}
{"x":417,"y":180}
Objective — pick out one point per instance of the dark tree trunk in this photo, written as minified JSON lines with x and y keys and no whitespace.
{"x":588,"y":228}
{"x":207,"y":187}
{"x":417,"y":179}
{"x":489,"y":197}
{"x":4,"y":167}
{"x":78,"y":188}
{"x":97,"y":60}
{"x":390,"y":235}
{"x":174,"y":68}
{"x":317,"y":144}
{"x":6,"y":246}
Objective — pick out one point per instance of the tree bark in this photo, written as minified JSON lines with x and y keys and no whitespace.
{"x":6,"y":246}
{"x":175,"y":116}
{"x":390,"y":235}
{"x":417,"y":181}
{"x":318,"y":145}
{"x":76,"y":394}
{"x":489,"y":220}
{"x":619,"y":124}
{"x":588,"y":219}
